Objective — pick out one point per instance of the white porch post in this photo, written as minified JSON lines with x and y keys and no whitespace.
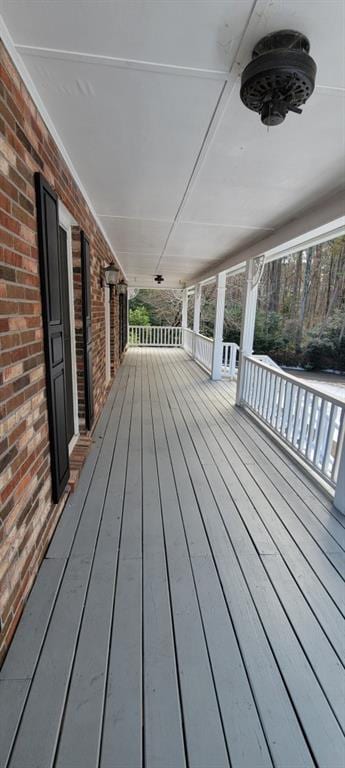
{"x":184,"y":315}
{"x":197,"y":301}
{"x":250,"y":295}
{"x":339,"y":498}
{"x":218,"y":328}
{"x":185,"y":308}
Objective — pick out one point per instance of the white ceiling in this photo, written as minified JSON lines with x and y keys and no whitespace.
{"x":145,"y":97}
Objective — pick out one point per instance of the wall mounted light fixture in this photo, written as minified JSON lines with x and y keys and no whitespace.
{"x":111,"y":275}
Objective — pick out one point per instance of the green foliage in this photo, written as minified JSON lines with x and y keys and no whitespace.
{"x":325,"y":346}
{"x":139,"y":316}
{"x":232,"y":323}
{"x":268,"y":332}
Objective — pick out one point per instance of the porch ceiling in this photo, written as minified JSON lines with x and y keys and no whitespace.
{"x":145,"y":98}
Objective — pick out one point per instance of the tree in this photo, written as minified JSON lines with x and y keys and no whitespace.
{"x":139,"y":316}
{"x":300,"y":314}
{"x":164,"y":306}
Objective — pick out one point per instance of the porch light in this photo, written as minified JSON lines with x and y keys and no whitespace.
{"x":111,"y":275}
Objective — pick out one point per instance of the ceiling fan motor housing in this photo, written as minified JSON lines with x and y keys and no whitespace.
{"x":280,"y":77}
{"x":159,"y":279}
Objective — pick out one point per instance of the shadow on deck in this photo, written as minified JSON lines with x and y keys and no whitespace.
{"x":189,"y":610}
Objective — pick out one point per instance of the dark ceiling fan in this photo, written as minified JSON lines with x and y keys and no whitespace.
{"x":280,"y":77}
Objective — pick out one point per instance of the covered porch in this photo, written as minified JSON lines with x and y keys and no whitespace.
{"x":189,"y":609}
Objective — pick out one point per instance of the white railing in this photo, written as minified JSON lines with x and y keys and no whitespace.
{"x":199,"y":347}
{"x":203,"y":349}
{"x":229,"y":359}
{"x":154,"y":336}
{"x":309,"y":420}
{"x":188,"y":341}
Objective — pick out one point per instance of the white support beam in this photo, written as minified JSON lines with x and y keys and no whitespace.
{"x":339,"y":499}
{"x":197,"y":302}
{"x":185,"y":308}
{"x":218,"y":328}
{"x":250,"y":295}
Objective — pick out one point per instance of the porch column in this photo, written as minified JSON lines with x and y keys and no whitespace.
{"x":218,"y":328}
{"x":339,"y":498}
{"x":184,"y":308}
{"x":197,"y":300}
{"x":184,"y":320}
{"x":250,"y":295}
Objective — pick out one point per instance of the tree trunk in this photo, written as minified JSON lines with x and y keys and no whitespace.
{"x":306,"y":288}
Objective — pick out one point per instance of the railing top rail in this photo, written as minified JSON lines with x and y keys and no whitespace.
{"x":177,"y":327}
{"x":201,"y":336}
{"x":295,"y":380}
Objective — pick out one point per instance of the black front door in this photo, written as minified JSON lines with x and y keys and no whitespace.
{"x":67,"y":333}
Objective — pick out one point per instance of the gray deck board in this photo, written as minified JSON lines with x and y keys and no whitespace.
{"x":188,"y":613}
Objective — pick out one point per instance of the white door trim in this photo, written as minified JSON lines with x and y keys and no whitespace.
{"x":67,"y":222}
{"x":107,"y":332}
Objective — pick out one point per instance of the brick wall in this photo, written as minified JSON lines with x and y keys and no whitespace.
{"x":28,"y":517}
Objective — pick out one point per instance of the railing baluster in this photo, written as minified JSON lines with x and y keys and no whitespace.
{"x":245,"y":379}
{"x":268,"y":394}
{"x":326,"y":469}
{"x":339,"y":444}
{"x":285,"y":407}
{"x":292,"y":413}
{"x":311,"y":431}
{"x":273,"y":398}
{"x":320,"y":435}
{"x":277,"y":405}
{"x":298,"y":418}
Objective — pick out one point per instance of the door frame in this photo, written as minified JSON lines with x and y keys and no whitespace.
{"x":107,"y":296}
{"x":66,"y":221}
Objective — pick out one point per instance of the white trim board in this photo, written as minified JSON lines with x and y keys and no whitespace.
{"x":67,"y":222}
{"x":107,"y":334}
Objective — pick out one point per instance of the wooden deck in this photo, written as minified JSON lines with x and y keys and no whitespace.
{"x":189,"y":611}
